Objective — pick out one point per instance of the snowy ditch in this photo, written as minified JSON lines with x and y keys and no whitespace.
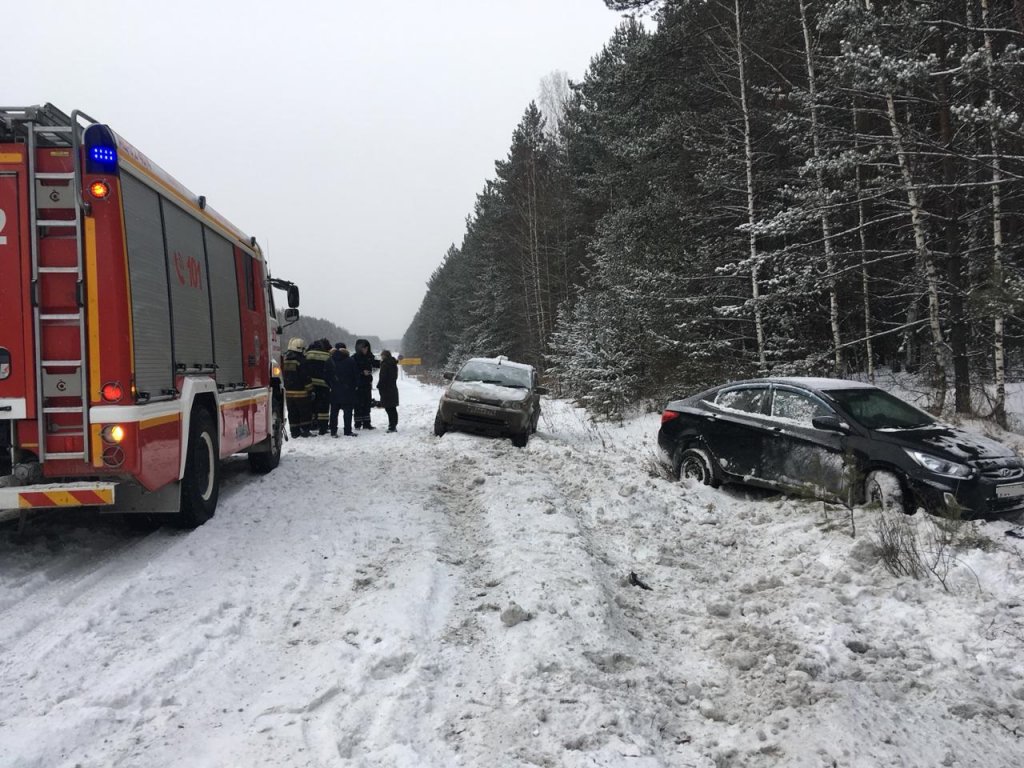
{"x":400,"y":600}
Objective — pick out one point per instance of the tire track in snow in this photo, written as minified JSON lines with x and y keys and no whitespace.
{"x":386,"y":708}
{"x":171,"y":624}
{"x":615,"y":701}
{"x":560,"y":689}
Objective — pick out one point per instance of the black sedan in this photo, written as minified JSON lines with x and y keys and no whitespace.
{"x":840,"y":440}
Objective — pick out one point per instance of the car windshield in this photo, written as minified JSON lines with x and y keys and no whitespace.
{"x":493,"y":373}
{"x":876,"y":409}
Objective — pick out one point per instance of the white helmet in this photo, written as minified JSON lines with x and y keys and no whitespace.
{"x":296,"y":345}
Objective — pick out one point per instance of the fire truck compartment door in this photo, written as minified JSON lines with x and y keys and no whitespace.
{"x":154,"y":370}
{"x":16,"y":368}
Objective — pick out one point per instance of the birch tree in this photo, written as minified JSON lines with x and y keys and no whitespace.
{"x":819,"y":174}
{"x":998,"y":349}
{"x":748,"y":158}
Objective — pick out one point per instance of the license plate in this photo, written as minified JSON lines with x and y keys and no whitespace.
{"x":1010,"y":491}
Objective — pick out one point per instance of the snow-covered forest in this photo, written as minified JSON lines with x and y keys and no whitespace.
{"x":780,"y":186}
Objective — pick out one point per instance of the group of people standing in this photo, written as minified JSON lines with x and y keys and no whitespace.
{"x":321,"y":382}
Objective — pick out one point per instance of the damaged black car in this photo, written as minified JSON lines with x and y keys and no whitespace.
{"x":839,"y":440}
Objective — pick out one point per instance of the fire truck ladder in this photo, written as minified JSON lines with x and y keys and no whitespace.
{"x":47,"y":126}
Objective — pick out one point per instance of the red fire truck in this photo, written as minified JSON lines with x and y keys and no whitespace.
{"x":138,"y":335}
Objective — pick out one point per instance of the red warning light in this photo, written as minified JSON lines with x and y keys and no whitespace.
{"x":112,"y":392}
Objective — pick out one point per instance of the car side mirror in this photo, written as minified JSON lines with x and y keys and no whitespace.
{"x":830,"y":424}
{"x":293,"y":297}
{"x":540,"y":390}
{"x":448,"y":375}
{"x":290,"y":316}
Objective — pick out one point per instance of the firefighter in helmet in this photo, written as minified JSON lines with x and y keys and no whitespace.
{"x":317,"y":359}
{"x":297,"y":388}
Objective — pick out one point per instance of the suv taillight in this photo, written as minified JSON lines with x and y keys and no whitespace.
{"x":667,"y":416}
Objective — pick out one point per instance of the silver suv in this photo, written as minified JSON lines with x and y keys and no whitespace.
{"x":492,"y":396}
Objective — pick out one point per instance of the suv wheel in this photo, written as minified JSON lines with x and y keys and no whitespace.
{"x":884,"y":489}
{"x":439,"y":426}
{"x":520,"y":440}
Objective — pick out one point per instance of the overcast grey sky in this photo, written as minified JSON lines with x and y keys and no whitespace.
{"x":350,"y":137}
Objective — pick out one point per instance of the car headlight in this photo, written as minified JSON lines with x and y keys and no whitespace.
{"x":521,"y":404}
{"x":939,"y":466}
{"x":452,"y":395}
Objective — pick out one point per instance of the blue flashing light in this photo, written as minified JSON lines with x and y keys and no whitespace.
{"x":105,"y":155}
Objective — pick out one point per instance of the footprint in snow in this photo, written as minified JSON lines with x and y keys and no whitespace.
{"x":391,"y":666}
{"x":610,"y":663}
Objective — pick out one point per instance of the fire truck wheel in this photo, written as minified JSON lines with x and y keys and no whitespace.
{"x":267,"y":461}
{"x":200,"y":486}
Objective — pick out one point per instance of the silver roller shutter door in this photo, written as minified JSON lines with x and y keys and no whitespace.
{"x":147,"y":274}
{"x":227,"y":333}
{"x":190,"y":300}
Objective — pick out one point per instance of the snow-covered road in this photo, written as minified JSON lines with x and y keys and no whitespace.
{"x":358,"y":607}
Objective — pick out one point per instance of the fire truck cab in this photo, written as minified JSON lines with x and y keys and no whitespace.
{"x":138,"y":334}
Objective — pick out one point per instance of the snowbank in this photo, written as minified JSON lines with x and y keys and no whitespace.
{"x":403,"y":600}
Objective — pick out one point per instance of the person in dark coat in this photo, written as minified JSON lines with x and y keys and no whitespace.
{"x":344,"y":379}
{"x":365,"y":363}
{"x":317,"y":356}
{"x":297,"y":388}
{"x":387,"y":385}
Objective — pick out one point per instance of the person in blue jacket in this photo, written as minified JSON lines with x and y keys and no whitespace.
{"x":345,"y":380}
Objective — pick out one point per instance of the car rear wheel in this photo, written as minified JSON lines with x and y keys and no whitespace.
{"x":439,"y":426}
{"x":884,"y":489}
{"x":695,"y":465}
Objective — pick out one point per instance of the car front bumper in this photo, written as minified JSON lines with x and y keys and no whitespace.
{"x":483,"y":418}
{"x":977,"y":497}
